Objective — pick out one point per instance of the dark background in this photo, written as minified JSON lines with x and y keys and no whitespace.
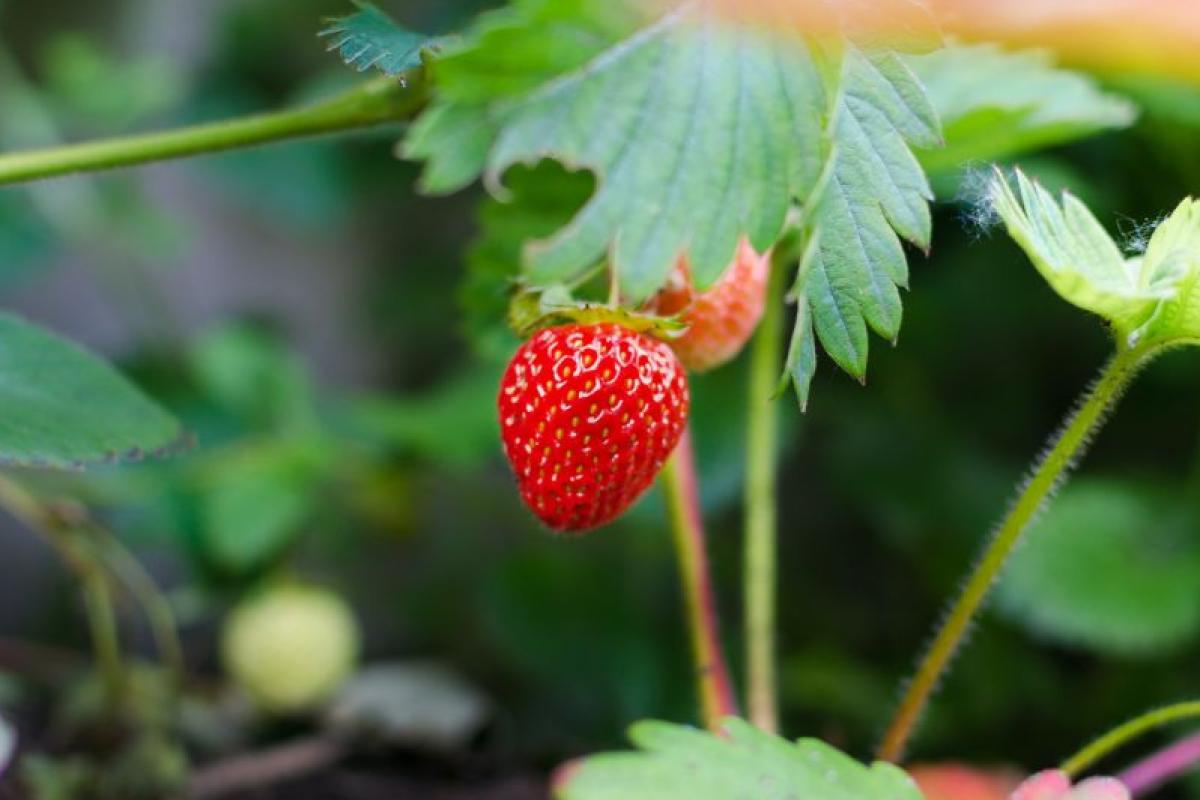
{"x":318,"y":264}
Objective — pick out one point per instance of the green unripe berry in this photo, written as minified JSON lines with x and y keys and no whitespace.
{"x":291,"y":647}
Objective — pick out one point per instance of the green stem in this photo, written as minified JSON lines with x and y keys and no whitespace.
{"x":683,"y":501}
{"x":1127,"y":732}
{"x":155,"y":606}
{"x":1050,"y":471}
{"x":759,"y":581}
{"x":102,"y":626}
{"x":370,"y":103}
{"x":97,"y":592}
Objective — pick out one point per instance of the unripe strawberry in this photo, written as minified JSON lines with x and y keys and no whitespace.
{"x":721,"y":320}
{"x":588,"y":415}
{"x":290,"y":647}
{"x":962,"y":782}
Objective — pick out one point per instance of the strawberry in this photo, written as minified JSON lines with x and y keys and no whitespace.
{"x":952,"y":781}
{"x":720,"y":320}
{"x":588,"y":415}
{"x":290,"y":647}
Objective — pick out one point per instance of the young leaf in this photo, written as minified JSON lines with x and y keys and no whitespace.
{"x":1149,"y":296}
{"x":677,"y":761}
{"x":876,"y":194}
{"x":1172,"y":258}
{"x":370,"y":38}
{"x":64,"y":408}
{"x":698,"y":130}
{"x":1110,"y":566}
{"x":994,"y":103}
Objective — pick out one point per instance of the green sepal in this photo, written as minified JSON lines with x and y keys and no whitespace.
{"x":534,"y":308}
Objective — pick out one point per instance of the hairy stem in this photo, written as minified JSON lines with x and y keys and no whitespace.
{"x":1125,"y":733}
{"x":1066,"y":449}
{"x":759,"y":562}
{"x":1153,"y":771}
{"x":683,"y":501}
{"x":371,"y":103}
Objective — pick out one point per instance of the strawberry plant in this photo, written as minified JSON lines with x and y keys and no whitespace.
{"x":660,"y":187}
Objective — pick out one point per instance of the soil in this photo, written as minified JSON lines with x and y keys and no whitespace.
{"x":351,"y":784}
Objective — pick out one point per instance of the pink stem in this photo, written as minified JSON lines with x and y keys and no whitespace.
{"x":1152,"y":772}
{"x":716,"y":689}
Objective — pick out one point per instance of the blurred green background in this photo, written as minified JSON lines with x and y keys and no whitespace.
{"x":300,"y":307}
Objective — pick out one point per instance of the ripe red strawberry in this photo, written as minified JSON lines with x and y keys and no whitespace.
{"x":720,"y":320}
{"x":588,"y":415}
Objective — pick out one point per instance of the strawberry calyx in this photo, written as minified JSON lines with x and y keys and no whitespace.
{"x":534,"y":308}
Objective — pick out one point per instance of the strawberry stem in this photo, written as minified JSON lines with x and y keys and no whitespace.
{"x":370,"y":103}
{"x":1126,"y":732}
{"x":1153,"y":771}
{"x":88,"y":569}
{"x":759,"y":582}
{"x":1066,"y":449}
{"x":683,"y":502}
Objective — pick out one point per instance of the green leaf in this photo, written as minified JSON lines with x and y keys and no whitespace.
{"x":802,"y":356}
{"x":876,"y":194}
{"x":248,"y":521}
{"x":453,"y":139}
{"x":834,"y":308}
{"x":1153,"y":295}
{"x":65,"y":408}
{"x":25,"y":239}
{"x":255,"y":500}
{"x":109,"y":93}
{"x":1111,"y":566}
{"x":510,"y":51}
{"x":518,"y":49}
{"x":1160,"y":97}
{"x":995,"y":103}
{"x":677,"y":761}
{"x":1172,"y":258}
{"x":370,"y":38}
{"x":698,"y":131}
{"x":251,"y":373}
